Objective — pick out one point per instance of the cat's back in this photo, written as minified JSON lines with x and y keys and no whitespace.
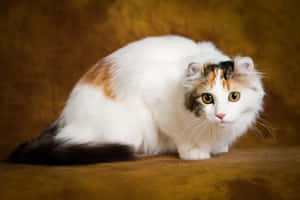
{"x":160,"y":48}
{"x":149,"y":66}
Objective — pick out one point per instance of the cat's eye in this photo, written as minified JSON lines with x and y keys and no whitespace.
{"x":207,"y":98}
{"x":234,"y":96}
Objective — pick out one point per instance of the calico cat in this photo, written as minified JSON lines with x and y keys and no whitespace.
{"x":158,"y":95}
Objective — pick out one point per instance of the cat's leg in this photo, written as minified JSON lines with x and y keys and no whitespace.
{"x":220,"y":149}
{"x":193,"y":153}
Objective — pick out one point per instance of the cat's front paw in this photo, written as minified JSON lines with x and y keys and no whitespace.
{"x":219,"y":150}
{"x":194,"y":154}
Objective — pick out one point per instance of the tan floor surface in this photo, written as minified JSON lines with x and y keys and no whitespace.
{"x":256,"y":173}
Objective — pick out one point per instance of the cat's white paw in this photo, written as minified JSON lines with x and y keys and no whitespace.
{"x":223,"y":149}
{"x":194,"y":154}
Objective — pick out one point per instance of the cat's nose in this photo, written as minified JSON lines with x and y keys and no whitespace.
{"x":220,"y":115}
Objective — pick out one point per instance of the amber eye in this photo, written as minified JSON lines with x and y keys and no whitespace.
{"x":207,"y":98}
{"x":234,"y":96}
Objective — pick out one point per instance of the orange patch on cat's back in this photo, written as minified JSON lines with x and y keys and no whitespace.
{"x":100,"y":76}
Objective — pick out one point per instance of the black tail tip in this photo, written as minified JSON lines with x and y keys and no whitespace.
{"x":18,"y":154}
{"x":36,"y":153}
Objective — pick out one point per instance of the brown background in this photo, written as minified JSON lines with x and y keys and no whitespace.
{"x":45,"y":46}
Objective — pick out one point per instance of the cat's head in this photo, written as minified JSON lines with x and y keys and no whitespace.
{"x":225,"y":92}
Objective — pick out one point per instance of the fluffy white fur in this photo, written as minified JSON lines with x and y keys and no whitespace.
{"x":149,"y":80}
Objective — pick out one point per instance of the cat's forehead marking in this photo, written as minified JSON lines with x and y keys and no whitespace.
{"x":211,"y":77}
{"x":226,"y":84}
{"x":222,"y":71}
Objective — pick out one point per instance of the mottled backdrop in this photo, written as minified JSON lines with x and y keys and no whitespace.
{"x":45,"y":46}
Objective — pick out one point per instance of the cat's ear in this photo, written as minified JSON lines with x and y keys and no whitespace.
{"x":243,"y":65}
{"x":194,"y":69}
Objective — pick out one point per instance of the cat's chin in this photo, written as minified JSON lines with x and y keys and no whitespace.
{"x":225,"y":123}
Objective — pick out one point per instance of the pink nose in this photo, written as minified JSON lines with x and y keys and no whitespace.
{"x":220,"y":116}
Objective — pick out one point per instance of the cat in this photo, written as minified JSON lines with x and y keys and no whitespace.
{"x":158,"y":95}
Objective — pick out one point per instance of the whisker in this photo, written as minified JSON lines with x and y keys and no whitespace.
{"x":264,"y":128}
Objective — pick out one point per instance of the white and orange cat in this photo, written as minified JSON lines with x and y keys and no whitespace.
{"x":158,"y":95}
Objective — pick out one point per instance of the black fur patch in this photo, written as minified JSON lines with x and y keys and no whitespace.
{"x":210,"y":68}
{"x":192,"y":104}
{"x":228,"y":69}
{"x":46,"y":150}
{"x":226,"y":66}
{"x":51,"y":130}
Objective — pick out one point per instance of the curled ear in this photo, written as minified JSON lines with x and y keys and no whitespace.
{"x":243,"y":65}
{"x":194,"y":69}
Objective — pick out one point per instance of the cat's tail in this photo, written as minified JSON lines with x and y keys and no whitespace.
{"x":45,"y":150}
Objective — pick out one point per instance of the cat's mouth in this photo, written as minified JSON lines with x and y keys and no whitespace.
{"x":225,"y":123}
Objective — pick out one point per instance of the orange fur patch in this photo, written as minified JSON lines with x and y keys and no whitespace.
{"x":226,"y":84}
{"x":211,"y":78}
{"x":100,"y":76}
{"x":205,"y":65}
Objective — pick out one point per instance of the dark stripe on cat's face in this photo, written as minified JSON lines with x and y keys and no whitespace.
{"x":207,"y":69}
